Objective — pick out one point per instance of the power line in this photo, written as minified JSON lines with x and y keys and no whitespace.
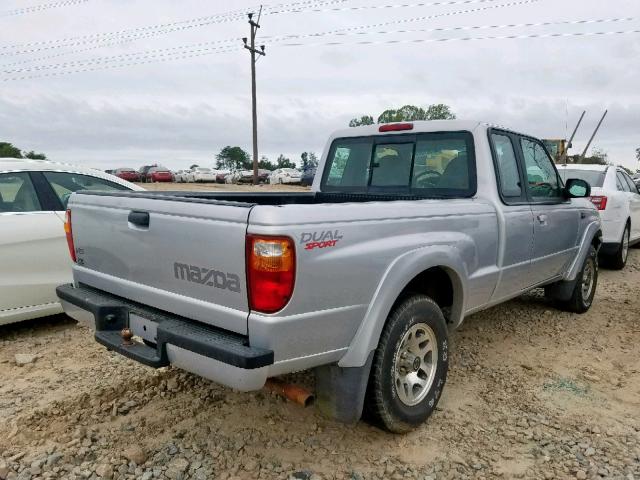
{"x":485,"y":27}
{"x":456,"y":39}
{"x":146,"y":30}
{"x":280,"y":38}
{"x":386,"y":7}
{"x":404,"y":20}
{"x":41,"y":7}
{"x":204,"y":51}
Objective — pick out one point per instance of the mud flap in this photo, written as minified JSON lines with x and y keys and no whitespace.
{"x":340,"y":391}
{"x":560,"y":291}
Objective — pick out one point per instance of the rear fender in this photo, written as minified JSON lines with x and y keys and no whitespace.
{"x":395,"y":279}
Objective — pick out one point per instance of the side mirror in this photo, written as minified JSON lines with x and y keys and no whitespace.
{"x":577,"y":188}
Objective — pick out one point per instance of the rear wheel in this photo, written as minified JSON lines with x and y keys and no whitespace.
{"x":619,"y":259}
{"x":409,"y":366}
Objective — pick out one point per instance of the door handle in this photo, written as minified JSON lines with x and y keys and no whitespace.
{"x":542,"y":218}
{"x":139,"y":219}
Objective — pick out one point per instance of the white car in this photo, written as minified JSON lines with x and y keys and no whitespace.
{"x":285,"y":175}
{"x":34,"y":257}
{"x":179,"y":176}
{"x":203,"y":174}
{"x":618,"y":201}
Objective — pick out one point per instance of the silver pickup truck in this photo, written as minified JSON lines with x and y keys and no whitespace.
{"x":408,"y":229}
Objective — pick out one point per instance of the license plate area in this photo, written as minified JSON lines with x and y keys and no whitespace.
{"x":143,"y":328}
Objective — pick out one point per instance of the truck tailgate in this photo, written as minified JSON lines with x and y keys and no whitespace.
{"x":182,"y":255}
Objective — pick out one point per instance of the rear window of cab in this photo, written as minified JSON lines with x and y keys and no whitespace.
{"x":429,"y":164}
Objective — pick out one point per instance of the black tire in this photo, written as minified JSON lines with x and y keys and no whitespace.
{"x":579,"y":302}
{"x":383,"y":404}
{"x":619,"y":259}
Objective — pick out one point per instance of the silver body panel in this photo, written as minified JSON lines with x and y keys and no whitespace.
{"x":343,"y":294}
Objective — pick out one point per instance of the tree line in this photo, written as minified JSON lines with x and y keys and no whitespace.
{"x":236,"y":158}
{"x":407,"y":113}
{"x":8,"y":150}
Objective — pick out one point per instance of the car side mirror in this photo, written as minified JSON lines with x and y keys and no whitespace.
{"x":577,"y":188}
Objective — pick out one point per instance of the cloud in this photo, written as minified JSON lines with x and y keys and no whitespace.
{"x":187,"y":110}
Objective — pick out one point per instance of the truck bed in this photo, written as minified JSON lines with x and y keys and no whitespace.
{"x":265,"y":198}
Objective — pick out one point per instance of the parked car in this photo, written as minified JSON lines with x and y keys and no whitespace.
{"x":263,"y":175}
{"x":616,"y":196}
{"x":159,"y":174}
{"x":285,"y":175}
{"x":179,"y":176}
{"x":307,"y":177}
{"x":240,"y":176}
{"x":142,"y":172}
{"x":413,"y":227}
{"x":222,"y":175}
{"x":128,"y":174}
{"x":203,"y":174}
{"x":34,"y":257}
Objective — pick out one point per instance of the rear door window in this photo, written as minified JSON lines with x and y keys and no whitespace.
{"x":621,"y":182}
{"x":429,"y":164}
{"x":65,"y":183}
{"x":632,"y":186}
{"x":17,"y":193}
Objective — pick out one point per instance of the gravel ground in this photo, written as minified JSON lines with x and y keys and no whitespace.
{"x":532,"y":393}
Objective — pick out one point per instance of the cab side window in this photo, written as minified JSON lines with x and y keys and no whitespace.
{"x":17,"y":193}
{"x":542,"y":179}
{"x":507,"y":166}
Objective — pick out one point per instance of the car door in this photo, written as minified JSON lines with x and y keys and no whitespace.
{"x":556,"y":219}
{"x":33,"y":247}
{"x":517,"y":216}
{"x":634,"y":204}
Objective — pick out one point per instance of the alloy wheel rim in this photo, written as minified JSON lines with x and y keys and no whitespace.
{"x":587,"y":280}
{"x":415,"y":364}
{"x":625,"y":245}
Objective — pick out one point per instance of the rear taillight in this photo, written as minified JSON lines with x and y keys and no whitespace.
{"x":599,"y":201}
{"x":271,"y":271}
{"x":69,"y":233}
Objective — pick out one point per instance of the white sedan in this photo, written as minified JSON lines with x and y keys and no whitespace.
{"x":203,"y":174}
{"x":618,"y":201}
{"x":34,"y":257}
{"x":285,"y":175}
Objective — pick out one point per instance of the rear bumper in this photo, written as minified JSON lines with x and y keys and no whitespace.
{"x":213,"y":353}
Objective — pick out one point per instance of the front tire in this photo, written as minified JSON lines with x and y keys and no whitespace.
{"x":410,"y":365}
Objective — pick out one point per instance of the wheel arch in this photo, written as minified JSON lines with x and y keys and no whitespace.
{"x":416,"y":271}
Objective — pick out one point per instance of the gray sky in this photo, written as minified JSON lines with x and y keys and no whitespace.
{"x":184,"y":111}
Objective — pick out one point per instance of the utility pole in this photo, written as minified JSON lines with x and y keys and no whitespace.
{"x":593,"y":135}
{"x":251,"y":46}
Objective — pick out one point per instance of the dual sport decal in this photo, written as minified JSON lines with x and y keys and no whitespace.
{"x":321,"y":239}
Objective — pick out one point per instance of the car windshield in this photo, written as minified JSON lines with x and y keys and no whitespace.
{"x":595,"y":178}
{"x":128,"y":170}
{"x":203,"y":170}
{"x":429,"y":164}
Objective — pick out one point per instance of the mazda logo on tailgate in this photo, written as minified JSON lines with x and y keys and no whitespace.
{"x":207,"y":276}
